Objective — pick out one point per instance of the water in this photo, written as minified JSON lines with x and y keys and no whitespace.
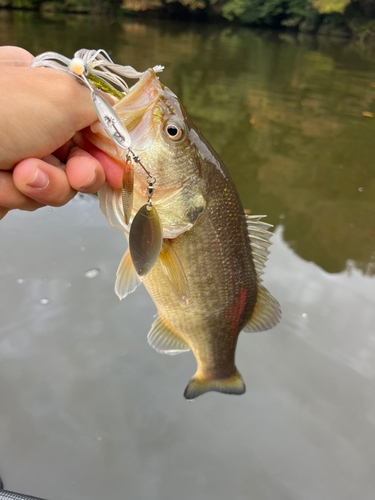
{"x":92,"y":273}
{"x":88,"y":410}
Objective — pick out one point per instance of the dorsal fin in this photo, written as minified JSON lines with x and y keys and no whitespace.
{"x":172,"y":268}
{"x":260,"y":241}
{"x":127,"y":278}
{"x":267,"y":312}
{"x":164,"y":338}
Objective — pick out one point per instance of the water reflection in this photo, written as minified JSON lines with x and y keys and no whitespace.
{"x":89,"y":410}
{"x":284,"y":113}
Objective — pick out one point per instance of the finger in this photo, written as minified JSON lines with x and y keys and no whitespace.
{"x":85,"y":173}
{"x":15,"y":56}
{"x":47,"y":108}
{"x":43,"y":182}
{"x":11,"y":197}
{"x":113,"y":169}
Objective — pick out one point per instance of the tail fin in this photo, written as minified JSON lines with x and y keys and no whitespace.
{"x":231,"y":385}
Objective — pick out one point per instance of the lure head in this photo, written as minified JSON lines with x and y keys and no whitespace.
{"x":160,"y":130}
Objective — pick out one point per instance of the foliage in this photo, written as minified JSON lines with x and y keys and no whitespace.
{"x":327,"y":17}
{"x":268,"y":12}
{"x":297,"y":14}
{"x":328,"y":6}
{"x":22,"y":4}
{"x":66,"y":6}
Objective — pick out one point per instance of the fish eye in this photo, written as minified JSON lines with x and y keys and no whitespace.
{"x":174,"y":130}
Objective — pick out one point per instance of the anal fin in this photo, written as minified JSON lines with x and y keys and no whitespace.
{"x":127,"y":278}
{"x":165,"y":339}
{"x":266,"y":314}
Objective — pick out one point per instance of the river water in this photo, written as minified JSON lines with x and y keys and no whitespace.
{"x":87,"y":409}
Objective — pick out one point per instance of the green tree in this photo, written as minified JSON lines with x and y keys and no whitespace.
{"x":328,"y":6}
{"x":269,"y":12}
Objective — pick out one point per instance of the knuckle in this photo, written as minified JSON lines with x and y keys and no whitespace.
{"x":72,"y":99}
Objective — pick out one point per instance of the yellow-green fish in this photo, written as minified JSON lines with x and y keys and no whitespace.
{"x":206,"y":281}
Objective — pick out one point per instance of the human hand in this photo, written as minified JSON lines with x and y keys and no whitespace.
{"x":41,"y":110}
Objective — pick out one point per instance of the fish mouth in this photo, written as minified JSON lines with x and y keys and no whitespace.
{"x":136,"y":113}
{"x":142,"y":98}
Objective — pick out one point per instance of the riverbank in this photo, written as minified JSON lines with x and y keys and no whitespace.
{"x":339,"y":18}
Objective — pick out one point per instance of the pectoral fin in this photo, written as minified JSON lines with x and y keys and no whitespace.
{"x":126,"y":278}
{"x":165,"y":339}
{"x":127,"y":189}
{"x":145,"y":239}
{"x":110,"y":205}
{"x":175,"y":273}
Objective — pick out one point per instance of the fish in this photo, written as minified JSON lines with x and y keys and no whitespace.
{"x":205,"y":268}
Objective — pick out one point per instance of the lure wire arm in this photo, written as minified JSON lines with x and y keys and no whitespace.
{"x":150,"y":178}
{"x":137,"y":160}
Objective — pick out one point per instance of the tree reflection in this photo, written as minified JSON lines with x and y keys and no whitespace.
{"x":284,"y":114}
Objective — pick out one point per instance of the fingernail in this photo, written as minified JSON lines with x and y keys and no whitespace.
{"x":91,"y":183}
{"x":39,"y":181}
